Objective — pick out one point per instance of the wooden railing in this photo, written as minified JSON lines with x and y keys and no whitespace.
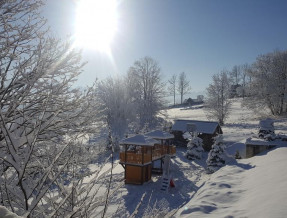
{"x":172,"y":150}
{"x":158,"y":152}
{"x":135,"y":158}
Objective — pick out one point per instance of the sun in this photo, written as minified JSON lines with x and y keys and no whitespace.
{"x":96,"y":24}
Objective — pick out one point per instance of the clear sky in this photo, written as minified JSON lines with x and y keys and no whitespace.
{"x":199,"y":37}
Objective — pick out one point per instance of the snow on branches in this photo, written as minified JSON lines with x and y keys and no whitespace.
{"x":194,"y":148}
{"x":217,"y":156}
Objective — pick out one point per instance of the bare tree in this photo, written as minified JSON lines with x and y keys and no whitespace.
{"x":172,"y":86}
{"x":183,"y":86}
{"x":235,"y":74}
{"x":268,"y":85}
{"x":146,"y":90}
{"x":246,"y":70}
{"x":217,"y":103}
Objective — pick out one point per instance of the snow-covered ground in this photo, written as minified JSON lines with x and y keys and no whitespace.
{"x":253,"y":187}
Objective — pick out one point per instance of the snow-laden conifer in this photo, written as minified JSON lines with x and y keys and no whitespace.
{"x":217,"y":156}
{"x":194,"y":148}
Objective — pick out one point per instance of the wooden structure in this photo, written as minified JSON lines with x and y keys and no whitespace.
{"x":138,"y":155}
{"x":206,"y":131}
{"x":164,"y":147}
{"x":256,"y":146}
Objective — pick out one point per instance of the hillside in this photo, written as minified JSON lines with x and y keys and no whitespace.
{"x":253,"y":187}
{"x":248,"y":188}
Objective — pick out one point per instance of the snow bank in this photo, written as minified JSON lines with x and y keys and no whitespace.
{"x":5,"y":213}
{"x":254,"y":187}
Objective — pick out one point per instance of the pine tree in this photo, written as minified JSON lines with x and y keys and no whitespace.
{"x":194,"y":148}
{"x":217,"y":155}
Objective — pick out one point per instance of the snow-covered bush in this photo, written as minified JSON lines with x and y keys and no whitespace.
{"x":194,"y":148}
{"x":5,"y":213}
{"x":217,"y":156}
{"x":237,"y":155}
{"x":266,"y":129}
{"x":157,"y":209}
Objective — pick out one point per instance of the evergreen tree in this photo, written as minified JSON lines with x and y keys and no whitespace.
{"x":194,"y":148}
{"x":217,"y":155}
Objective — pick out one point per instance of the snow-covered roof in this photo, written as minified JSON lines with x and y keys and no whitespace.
{"x":206,"y":127}
{"x":252,"y":141}
{"x":139,"y":140}
{"x":158,"y":134}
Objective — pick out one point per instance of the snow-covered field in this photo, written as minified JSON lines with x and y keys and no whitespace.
{"x":253,"y":187}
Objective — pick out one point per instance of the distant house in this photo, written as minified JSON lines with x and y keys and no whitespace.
{"x":234,"y":91}
{"x":206,"y":131}
{"x":190,"y":101}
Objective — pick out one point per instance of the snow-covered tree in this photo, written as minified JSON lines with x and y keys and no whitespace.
{"x":172,"y":86}
{"x":146,"y":90}
{"x":236,"y":74}
{"x":217,"y":156}
{"x":114,"y":106}
{"x":183,"y":86}
{"x":217,"y":103}
{"x":268,"y":86}
{"x":194,"y":148}
{"x":266,"y":129}
{"x":43,"y":119}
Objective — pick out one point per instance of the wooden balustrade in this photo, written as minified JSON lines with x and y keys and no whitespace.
{"x":135,"y":158}
{"x":158,"y":152}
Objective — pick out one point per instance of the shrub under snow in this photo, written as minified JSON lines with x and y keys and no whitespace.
{"x":266,"y":129}
{"x":217,"y":156}
{"x":194,"y":148}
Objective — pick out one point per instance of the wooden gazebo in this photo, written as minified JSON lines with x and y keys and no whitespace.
{"x":140,"y":152}
{"x":136,"y":158}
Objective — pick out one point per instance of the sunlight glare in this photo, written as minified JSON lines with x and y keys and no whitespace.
{"x":96,"y":22}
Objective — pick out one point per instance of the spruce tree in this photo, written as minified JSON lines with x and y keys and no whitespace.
{"x":217,"y":155}
{"x":194,"y":148}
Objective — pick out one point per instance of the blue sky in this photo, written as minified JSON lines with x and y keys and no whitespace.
{"x":199,"y":37}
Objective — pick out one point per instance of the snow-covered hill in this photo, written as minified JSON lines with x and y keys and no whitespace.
{"x":254,"y":187}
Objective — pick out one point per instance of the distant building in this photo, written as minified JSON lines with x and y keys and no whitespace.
{"x":206,"y":131}
{"x":234,"y":91}
{"x":190,"y":101}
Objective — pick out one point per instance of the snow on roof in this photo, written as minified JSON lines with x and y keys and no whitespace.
{"x":139,"y":140}
{"x":158,"y":134}
{"x":201,"y":126}
{"x":252,"y":141}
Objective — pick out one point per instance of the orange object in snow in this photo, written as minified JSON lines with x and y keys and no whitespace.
{"x":171,"y":183}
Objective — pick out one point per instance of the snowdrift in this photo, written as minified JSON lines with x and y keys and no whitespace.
{"x":254,"y":187}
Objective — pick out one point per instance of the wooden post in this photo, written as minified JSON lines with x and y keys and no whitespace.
{"x":125,"y":162}
{"x":142,"y":165}
{"x":143,"y":156}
